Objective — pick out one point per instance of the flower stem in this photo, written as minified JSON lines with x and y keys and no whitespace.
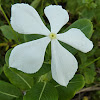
{"x":5,"y":15}
{"x":92,"y":62}
{"x":8,"y":22}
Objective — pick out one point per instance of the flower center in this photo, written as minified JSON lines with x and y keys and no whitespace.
{"x":52,"y":35}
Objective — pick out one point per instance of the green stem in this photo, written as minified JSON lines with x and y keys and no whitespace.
{"x":5,"y":15}
{"x":8,"y":22}
{"x":92,"y":62}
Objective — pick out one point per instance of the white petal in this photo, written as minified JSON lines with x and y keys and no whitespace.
{"x":28,"y":57}
{"x":57,"y":17}
{"x":77,"y":39}
{"x":26,"y":20}
{"x":63,"y":64}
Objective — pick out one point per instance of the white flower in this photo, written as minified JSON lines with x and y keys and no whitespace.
{"x":28,"y":57}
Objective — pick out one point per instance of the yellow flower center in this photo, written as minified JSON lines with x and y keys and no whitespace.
{"x":52,"y":35}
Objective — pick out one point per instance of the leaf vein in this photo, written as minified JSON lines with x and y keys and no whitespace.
{"x":24,"y":80}
{"x":9,"y":94}
{"x":42,"y":91}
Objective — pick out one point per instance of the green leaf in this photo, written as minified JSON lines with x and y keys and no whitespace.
{"x":66,"y":93}
{"x":83,"y":57}
{"x":72,"y":5}
{"x":98,"y":63}
{"x":42,"y":91}
{"x":9,"y":33}
{"x":87,"y":13}
{"x":97,"y":52}
{"x":44,"y":69}
{"x":18,"y":78}
{"x":68,"y":47}
{"x":89,"y":75}
{"x":30,"y":37}
{"x":7,"y":56}
{"x":8,"y":91}
{"x":35,"y":3}
{"x":87,"y":1}
{"x":1,"y":70}
{"x":20,"y":98}
{"x":97,"y":11}
{"x":85,"y":26}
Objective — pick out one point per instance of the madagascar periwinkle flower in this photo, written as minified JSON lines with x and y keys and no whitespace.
{"x":28,"y":57}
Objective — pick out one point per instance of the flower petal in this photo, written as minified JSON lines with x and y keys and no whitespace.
{"x":57,"y":17}
{"x":28,"y":57}
{"x":77,"y":39}
{"x":63,"y":64}
{"x":26,"y":20}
